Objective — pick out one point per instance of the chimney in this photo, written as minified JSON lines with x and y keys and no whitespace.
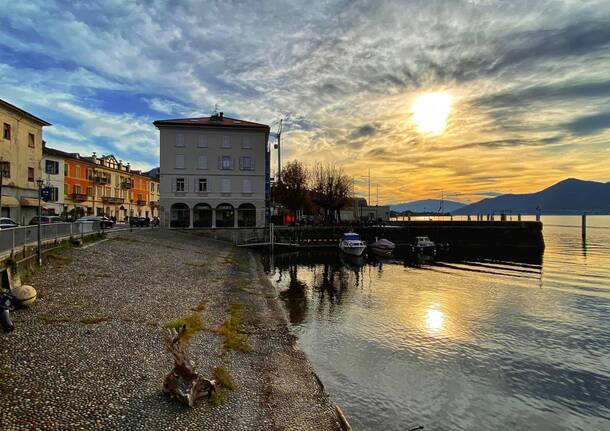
{"x":128,"y":167}
{"x":120,"y":165}
{"x":94,"y":157}
{"x":222,"y":115}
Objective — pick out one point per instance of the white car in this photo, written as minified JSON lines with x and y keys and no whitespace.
{"x":7,"y":223}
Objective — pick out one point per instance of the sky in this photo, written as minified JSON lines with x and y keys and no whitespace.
{"x":528,"y":83}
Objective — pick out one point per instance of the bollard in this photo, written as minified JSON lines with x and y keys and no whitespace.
{"x":584,"y":225}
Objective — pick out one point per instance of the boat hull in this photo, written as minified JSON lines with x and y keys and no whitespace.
{"x":352,"y":250}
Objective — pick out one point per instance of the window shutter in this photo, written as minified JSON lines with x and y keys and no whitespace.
{"x":173,"y":184}
{"x":241,"y":163}
{"x":195,"y":184}
{"x":179,"y":161}
{"x":231,"y":162}
{"x":252,"y":164}
{"x":226,"y":185}
{"x":247,"y":186}
{"x":203,"y":141}
{"x":203,"y":162}
{"x":219,"y":162}
{"x":180,"y":140}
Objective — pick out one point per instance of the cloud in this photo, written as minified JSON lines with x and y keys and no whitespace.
{"x":529,"y":82}
{"x":590,"y":124}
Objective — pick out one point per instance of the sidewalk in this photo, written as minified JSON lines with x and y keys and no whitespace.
{"x":89,"y":354}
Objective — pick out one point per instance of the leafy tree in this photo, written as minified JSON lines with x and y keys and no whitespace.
{"x":291,"y":188}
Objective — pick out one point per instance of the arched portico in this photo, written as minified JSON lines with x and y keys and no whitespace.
{"x":180,"y":215}
{"x":246,"y":215}
{"x":225,"y":215}
{"x":202,"y":215}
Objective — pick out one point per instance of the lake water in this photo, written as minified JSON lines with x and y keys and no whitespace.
{"x":461,"y":344}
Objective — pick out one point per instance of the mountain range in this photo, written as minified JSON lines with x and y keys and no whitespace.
{"x":427,"y":205}
{"x":570,"y":196}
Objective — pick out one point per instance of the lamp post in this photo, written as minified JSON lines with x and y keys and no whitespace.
{"x":39,"y":182}
{"x":2,"y":172}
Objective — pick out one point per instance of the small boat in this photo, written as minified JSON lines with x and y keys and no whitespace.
{"x":351,"y":243}
{"x":382,"y":247}
{"x":423,"y":244}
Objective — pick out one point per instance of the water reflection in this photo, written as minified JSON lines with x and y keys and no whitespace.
{"x":458,"y":342}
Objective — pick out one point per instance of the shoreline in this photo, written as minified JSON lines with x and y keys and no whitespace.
{"x":89,"y":353}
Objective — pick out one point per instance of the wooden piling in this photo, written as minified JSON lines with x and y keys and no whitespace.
{"x":345,"y":426}
{"x":584,"y":225}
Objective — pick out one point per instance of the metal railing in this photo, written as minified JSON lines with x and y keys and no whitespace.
{"x":15,"y":240}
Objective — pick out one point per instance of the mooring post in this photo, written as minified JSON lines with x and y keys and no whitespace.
{"x":584,"y":225}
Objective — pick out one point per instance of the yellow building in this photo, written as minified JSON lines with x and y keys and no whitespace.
{"x":20,"y":162}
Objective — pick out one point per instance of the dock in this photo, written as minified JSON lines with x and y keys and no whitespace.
{"x":460,"y":235}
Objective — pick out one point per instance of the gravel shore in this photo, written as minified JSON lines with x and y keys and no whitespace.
{"x":89,"y":354}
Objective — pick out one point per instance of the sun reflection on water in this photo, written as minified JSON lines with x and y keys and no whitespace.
{"x":434,"y":319}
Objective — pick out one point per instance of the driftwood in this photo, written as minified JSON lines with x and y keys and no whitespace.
{"x":183,"y":383}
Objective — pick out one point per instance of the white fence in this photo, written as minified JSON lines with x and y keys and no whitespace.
{"x":16,"y":239}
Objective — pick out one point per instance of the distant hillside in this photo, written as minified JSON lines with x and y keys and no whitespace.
{"x":426,"y":205}
{"x":571,"y":196}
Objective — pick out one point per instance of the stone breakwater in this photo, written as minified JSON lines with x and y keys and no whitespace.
{"x":89,"y":354}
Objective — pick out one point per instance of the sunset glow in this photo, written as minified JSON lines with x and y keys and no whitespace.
{"x":430,"y":112}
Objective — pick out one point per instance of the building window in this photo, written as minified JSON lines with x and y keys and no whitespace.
{"x":226,"y":142}
{"x":179,"y":184}
{"x":226,"y":162}
{"x":203,"y":184}
{"x":5,"y":168}
{"x":31,"y":140}
{"x":179,"y":161}
{"x":203,"y":141}
{"x":245,"y":142}
{"x":66,"y":188}
{"x":76,"y":189}
{"x":31,"y":174}
{"x":246,"y":163}
{"x":202,"y":163}
{"x":51,"y":167}
{"x":7,"y":131}
{"x":152,"y":187}
{"x":89,"y":191}
{"x":54,"y":194}
{"x":77,"y":171}
{"x":247,"y":186}
{"x":180,"y":140}
{"x":226,"y":185}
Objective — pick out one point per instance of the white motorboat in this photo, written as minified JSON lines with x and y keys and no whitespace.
{"x":382,"y":247}
{"x":351,"y":243}
{"x":423,"y":244}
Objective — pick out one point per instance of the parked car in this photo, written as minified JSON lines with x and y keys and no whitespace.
{"x":139,"y":221}
{"x":7,"y":223}
{"x":103,"y":220}
{"x":46,"y":220}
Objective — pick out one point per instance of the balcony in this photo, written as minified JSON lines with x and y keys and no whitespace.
{"x":112,"y":200}
{"x":140,"y":202}
{"x":101,"y":180}
{"x":78,"y":197}
{"x":152,"y":204}
{"x":127,"y":184}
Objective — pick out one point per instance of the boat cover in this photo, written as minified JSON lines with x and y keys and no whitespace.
{"x":383,"y":243}
{"x":351,"y":237}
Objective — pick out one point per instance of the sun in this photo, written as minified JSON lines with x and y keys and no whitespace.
{"x":430,"y":112}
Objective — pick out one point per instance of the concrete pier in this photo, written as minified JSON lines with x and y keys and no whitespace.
{"x":514,"y":235}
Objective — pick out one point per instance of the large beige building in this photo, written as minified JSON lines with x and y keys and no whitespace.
{"x":214,"y":172}
{"x":20,"y":161}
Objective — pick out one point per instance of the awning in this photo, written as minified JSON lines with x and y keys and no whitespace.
{"x":29,"y":202}
{"x":9,"y":202}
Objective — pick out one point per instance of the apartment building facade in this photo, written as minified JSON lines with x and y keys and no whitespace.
{"x":214,"y":172}
{"x":21,"y":145}
{"x":107,"y":186}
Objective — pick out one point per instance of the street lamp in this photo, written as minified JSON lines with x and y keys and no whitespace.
{"x":2,"y":173}
{"x":39,"y":182}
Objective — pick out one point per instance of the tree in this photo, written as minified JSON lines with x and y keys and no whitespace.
{"x":291,"y":188}
{"x":330,"y":189}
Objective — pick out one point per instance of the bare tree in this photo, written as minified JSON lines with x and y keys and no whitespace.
{"x":291,"y":188}
{"x":330,"y":189}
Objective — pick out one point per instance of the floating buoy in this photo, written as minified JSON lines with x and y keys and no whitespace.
{"x":25,"y":294}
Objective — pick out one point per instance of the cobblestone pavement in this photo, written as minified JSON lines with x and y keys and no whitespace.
{"x":60,"y":371}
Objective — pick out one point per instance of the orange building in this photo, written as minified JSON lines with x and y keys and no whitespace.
{"x":105,"y":186}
